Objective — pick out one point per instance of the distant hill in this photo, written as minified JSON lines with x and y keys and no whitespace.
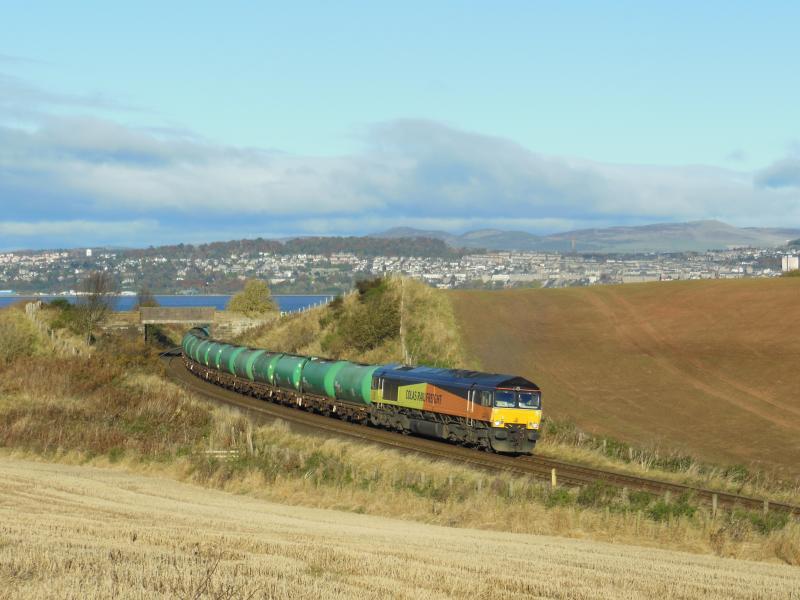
{"x":412,"y":245}
{"x":706,"y":367}
{"x":662,"y":237}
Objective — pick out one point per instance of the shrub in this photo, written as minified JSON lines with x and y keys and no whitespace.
{"x":664,"y":510}
{"x":375,"y":319}
{"x":639,"y":500}
{"x":254,"y":301}
{"x":737,"y":473}
{"x":17,"y":336}
{"x":761,"y":522}
{"x":596,"y":494}
{"x":559,"y":497}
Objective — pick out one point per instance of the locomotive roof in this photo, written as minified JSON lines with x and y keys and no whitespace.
{"x":454,"y":377}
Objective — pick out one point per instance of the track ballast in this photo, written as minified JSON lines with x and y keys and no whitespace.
{"x":536,"y":466}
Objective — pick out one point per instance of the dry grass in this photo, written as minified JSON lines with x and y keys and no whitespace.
{"x":664,"y":465}
{"x":430,"y":335}
{"x":115,"y":409}
{"x":434,"y":337}
{"x":79,"y":532}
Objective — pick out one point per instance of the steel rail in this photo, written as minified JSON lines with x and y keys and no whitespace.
{"x":540,"y":467}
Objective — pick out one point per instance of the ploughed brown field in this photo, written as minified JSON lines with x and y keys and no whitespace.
{"x":706,"y":367}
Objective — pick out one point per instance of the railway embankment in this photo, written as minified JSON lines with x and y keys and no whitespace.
{"x":114,"y":409}
{"x":404,"y":321}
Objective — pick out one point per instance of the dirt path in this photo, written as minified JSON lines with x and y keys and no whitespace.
{"x":81,"y":532}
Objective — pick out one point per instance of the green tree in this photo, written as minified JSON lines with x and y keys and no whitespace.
{"x":254,"y":301}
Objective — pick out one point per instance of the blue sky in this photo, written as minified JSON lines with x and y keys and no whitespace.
{"x":192,"y":121}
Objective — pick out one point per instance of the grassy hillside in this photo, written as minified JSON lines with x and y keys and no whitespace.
{"x":709,"y":368}
{"x":391,"y":320}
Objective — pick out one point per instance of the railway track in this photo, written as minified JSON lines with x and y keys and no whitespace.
{"x":536,"y":466}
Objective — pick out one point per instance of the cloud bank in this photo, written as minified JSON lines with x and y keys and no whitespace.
{"x":77,"y":181}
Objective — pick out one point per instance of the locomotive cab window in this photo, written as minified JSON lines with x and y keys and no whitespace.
{"x":504,"y":399}
{"x":529,"y":400}
{"x":486,"y":398}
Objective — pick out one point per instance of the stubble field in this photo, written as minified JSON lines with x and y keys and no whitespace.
{"x":708,"y":368}
{"x":83,"y":532}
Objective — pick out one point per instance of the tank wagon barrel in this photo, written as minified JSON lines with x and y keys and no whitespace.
{"x":319,"y":376}
{"x":482,"y":410}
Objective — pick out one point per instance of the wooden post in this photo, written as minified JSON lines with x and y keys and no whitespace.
{"x":553,"y":478}
{"x":250,"y":448}
{"x":713,"y":506}
{"x":667,"y":496}
{"x":766,"y":506}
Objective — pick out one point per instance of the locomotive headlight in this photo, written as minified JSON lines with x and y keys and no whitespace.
{"x":534,"y":425}
{"x":498,"y":423}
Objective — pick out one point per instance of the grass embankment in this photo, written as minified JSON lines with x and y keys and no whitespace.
{"x":365,"y":326}
{"x":383,"y":321}
{"x":115,"y":408}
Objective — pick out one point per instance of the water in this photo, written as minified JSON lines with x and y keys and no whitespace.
{"x":286,"y":303}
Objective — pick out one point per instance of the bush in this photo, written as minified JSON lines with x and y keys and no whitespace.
{"x":664,"y":511}
{"x":66,"y":316}
{"x":763,"y":523}
{"x":737,"y":473}
{"x":254,"y":301}
{"x":375,"y":319}
{"x":639,"y":500}
{"x":559,"y":497}
{"x":596,"y":494}
{"x":17,"y":336}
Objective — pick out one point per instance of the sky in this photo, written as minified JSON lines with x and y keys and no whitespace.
{"x":167,"y":122}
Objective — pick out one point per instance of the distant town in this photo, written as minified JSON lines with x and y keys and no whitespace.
{"x":188,"y":272}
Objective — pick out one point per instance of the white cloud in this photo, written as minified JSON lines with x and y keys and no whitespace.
{"x":411,"y":172}
{"x":75,"y":227}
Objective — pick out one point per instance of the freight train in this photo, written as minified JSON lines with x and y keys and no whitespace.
{"x":492,"y":412}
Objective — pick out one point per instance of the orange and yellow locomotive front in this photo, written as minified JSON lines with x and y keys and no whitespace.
{"x":512,"y":416}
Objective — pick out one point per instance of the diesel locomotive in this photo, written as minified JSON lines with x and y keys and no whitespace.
{"x":493,"y":412}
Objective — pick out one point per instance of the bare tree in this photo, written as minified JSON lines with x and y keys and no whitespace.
{"x":145,"y":298}
{"x":95,"y":302}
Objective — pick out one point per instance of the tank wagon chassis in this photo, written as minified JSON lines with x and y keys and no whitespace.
{"x":459,"y":430}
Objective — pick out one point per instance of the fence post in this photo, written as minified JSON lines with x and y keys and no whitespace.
{"x":766,"y":506}
{"x":553,"y":478}
{"x":713,"y":506}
